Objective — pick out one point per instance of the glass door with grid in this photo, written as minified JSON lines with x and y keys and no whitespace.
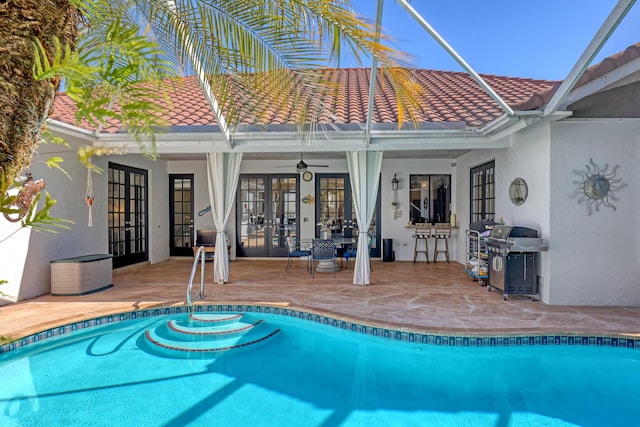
{"x":335,"y":206}
{"x":483,"y":192}
{"x":127,"y":215}
{"x":267,"y":209}
{"x":181,"y":214}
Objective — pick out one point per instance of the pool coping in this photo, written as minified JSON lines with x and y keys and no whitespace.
{"x":405,"y":334}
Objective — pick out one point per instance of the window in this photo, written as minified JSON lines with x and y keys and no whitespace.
{"x":429,"y":198}
{"x":331,"y":201}
{"x":335,"y":201}
{"x":483,"y":192}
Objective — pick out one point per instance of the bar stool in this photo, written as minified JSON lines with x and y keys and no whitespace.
{"x":422,"y":232}
{"x":441,"y":232}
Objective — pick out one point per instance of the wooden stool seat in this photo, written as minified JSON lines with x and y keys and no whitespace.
{"x":441,"y":233}
{"x":421,"y":233}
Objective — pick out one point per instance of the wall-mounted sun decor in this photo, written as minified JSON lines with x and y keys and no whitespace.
{"x":598,"y":186}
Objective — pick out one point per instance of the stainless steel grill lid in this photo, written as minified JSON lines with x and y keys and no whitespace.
{"x":526,"y":244}
{"x":502,"y":232}
{"x":509,"y":238}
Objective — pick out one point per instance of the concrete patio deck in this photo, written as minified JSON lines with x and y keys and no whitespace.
{"x":423,"y":297}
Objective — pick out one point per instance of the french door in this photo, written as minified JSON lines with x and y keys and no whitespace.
{"x":267,"y":212}
{"x":127,"y":215}
{"x":482,"y":192}
{"x":335,"y":201}
{"x":181,"y":214}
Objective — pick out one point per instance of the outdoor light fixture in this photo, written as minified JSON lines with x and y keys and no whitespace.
{"x":394,"y":187}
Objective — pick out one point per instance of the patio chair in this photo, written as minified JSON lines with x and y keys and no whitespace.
{"x":295,"y":251}
{"x":323,"y":250}
{"x":353,"y":251}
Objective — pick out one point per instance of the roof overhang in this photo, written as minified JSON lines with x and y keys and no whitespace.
{"x":425,"y":137}
{"x":619,"y":76}
{"x":439,"y":138}
{"x":610,"y":24}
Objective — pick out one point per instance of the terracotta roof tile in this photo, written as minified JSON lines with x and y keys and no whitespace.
{"x":610,"y":63}
{"x":595,"y":71}
{"x":451,"y":97}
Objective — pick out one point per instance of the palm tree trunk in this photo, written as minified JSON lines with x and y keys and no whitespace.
{"x":25,"y":103}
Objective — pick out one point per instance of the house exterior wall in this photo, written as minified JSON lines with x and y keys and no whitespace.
{"x":396,"y":228}
{"x":26,"y":255}
{"x":594,"y":257}
{"x":158,"y":182}
{"x":392,"y":227}
{"x":528,"y":158}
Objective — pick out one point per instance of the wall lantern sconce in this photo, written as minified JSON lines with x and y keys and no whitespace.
{"x":394,"y":187}
{"x":394,"y":183}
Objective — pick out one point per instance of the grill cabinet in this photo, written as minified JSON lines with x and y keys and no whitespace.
{"x":512,"y":260}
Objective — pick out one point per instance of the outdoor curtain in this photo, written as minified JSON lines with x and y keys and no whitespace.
{"x":223,"y":170}
{"x":364,"y":173}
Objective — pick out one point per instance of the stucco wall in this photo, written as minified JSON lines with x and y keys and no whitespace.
{"x":158,"y":182}
{"x":528,"y":158}
{"x":594,"y":257}
{"x":392,"y":227}
{"x":25,"y":256}
{"x":396,"y":228}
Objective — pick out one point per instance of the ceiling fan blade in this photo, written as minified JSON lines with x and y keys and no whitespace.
{"x":301,"y":166}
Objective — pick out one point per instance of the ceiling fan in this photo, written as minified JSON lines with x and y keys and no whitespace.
{"x":301,"y":166}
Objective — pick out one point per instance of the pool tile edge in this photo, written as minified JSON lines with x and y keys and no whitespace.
{"x":399,"y":334}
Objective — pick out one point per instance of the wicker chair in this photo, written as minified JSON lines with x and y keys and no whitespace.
{"x":323,"y":250}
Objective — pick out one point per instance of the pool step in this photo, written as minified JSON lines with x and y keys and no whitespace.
{"x":215,"y":318}
{"x":206,"y":334}
{"x":182,"y":331}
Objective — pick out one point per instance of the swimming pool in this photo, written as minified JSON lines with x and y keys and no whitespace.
{"x":316,"y":371}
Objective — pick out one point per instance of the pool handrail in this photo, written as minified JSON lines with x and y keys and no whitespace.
{"x":198,"y":257}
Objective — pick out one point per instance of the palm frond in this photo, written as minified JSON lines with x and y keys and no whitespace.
{"x":128,"y":81}
{"x":267,"y":47}
{"x":253,"y":53}
{"x":41,"y":220}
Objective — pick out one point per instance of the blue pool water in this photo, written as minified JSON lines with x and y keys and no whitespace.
{"x":314,"y":375}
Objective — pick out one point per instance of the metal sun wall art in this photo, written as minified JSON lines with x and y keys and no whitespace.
{"x":597,"y":186}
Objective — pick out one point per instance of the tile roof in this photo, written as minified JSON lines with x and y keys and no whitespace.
{"x":590,"y":74}
{"x":451,"y":97}
{"x":608,"y":64}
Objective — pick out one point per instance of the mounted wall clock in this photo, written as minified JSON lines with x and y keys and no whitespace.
{"x":307,"y":176}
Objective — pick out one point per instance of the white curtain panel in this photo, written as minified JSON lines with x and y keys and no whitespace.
{"x":223,"y":171}
{"x":364,"y":173}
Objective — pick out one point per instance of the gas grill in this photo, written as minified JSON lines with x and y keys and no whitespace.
{"x":512,"y":260}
